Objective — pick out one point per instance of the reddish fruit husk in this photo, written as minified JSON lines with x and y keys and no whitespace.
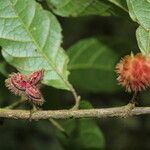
{"x":26,"y":85}
{"x":134,"y":72}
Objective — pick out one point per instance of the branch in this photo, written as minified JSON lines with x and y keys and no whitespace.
{"x":52,"y":121}
{"x":83,"y":113}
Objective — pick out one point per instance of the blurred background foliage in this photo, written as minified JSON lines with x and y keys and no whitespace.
{"x":101,"y":37}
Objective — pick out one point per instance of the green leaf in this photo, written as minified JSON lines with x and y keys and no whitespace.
{"x":3,"y":68}
{"x":92,"y":66}
{"x":139,"y":11}
{"x":120,"y":3}
{"x":31,"y":38}
{"x":83,"y":134}
{"x":143,"y":38}
{"x":81,"y":7}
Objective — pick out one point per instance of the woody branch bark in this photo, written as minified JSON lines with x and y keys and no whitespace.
{"x":83,"y":113}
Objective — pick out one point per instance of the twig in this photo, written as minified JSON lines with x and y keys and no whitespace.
{"x":53,"y":122}
{"x":58,"y":126}
{"x":65,"y":114}
{"x":15,"y":104}
{"x":75,"y":95}
{"x":133,"y":99}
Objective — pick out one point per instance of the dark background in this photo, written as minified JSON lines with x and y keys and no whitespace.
{"x":125,"y":133}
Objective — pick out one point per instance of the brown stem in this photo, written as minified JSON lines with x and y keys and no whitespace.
{"x":133,"y":99}
{"x":65,"y":114}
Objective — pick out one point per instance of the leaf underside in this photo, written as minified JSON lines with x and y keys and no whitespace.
{"x":30,"y":38}
{"x":139,"y":11}
{"x":77,"y":8}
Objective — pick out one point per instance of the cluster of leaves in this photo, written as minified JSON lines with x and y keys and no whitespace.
{"x":31,"y":38}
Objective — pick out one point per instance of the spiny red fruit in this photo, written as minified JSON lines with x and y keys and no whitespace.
{"x":26,"y":85}
{"x":134,"y":72}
